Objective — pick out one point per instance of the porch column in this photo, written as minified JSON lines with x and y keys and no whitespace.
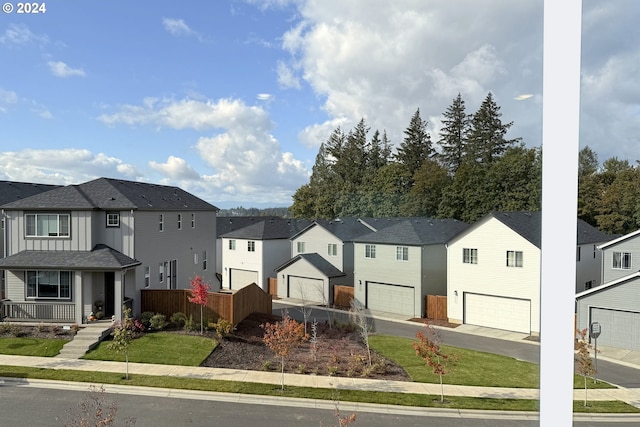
{"x":79,"y":296}
{"x":118,"y":286}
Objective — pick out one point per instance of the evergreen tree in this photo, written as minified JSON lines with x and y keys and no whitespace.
{"x":589,"y":186}
{"x":486,"y":140}
{"x":416,"y":146}
{"x":379,"y":151}
{"x":454,"y":133}
{"x":423,"y":199}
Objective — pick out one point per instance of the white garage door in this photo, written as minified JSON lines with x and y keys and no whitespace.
{"x":510,"y":314}
{"x":241,"y":278}
{"x":619,"y":329}
{"x":306,"y":289}
{"x":397,"y":299}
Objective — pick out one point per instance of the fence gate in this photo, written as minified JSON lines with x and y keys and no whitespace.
{"x":436,"y":307}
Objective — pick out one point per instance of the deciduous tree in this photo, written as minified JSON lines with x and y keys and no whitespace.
{"x":123,"y":334}
{"x":428,"y":348}
{"x":584,"y":364}
{"x":281,"y":337}
{"x":199,"y":295}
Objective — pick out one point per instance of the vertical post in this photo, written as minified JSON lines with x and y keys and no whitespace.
{"x":79,"y":297}
{"x":560,"y":142}
{"x":118,"y":294}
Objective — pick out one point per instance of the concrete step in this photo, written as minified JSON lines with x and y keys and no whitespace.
{"x":85,"y":339}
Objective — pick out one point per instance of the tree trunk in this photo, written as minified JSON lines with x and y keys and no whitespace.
{"x":282,"y":370}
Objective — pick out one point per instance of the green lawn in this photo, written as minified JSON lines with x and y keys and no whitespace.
{"x":159,"y":347}
{"x":468,"y":367}
{"x":31,"y":346}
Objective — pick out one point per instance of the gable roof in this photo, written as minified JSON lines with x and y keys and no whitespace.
{"x":269,"y":228}
{"x":416,"y":231}
{"x":608,"y":285}
{"x":108,"y":193}
{"x":316,"y":260}
{"x":619,"y":239}
{"x":101,"y":257}
{"x":11,"y":191}
{"x":345,"y":229}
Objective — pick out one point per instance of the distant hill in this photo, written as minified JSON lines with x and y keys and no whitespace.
{"x":240,"y":211}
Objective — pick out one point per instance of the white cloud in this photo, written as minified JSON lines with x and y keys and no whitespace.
{"x":7,"y":97}
{"x":60,"y":69}
{"x":175,"y":168}
{"x":287,"y":77}
{"x":176,"y":27}
{"x":20,"y":34}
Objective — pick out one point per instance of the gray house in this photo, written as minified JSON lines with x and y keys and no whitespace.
{"x":91,"y":247}
{"x":615,"y":304}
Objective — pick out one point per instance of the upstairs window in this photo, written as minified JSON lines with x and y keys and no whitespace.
{"x":514,"y":258}
{"x":193,"y":220}
{"x":204,"y":260}
{"x":300,"y":247}
{"x":232,"y":245}
{"x":370,"y":251}
{"x":469,"y":256}
{"x":332,"y":249}
{"x":622,"y":260}
{"x":161,"y":222}
{"x":47,"y":225}
{"x":179,"y":221}
{"x":402,"y":253}
{"x":251,"y":246}
{"x":113,"y":219}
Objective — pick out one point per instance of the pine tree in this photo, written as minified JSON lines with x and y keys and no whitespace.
{"x":454,"y":133}
{"x":416,"y":147}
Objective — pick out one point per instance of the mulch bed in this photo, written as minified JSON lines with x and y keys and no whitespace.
{"x":14,"y":330}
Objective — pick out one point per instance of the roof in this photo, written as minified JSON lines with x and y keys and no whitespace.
{"x":609,"y":285}
{"x":619,"y":239}
{"x":416,"y":231}
{"x":11,"y":191}
{"x":108,"y":193}
{"x":101,"y":257}
{"x":269,"y":228}
{"x":346,"y":229}
{"x":324,"y":266}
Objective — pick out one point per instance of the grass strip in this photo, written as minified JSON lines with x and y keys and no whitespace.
{"x":26,"y":346}
{"x":386,"y":398}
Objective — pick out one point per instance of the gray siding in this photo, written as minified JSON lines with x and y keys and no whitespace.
{"x":625,"y":296}
{"x":119,"y":238}
{"x":632,"y":246}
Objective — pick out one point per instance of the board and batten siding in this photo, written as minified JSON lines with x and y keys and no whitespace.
{"x":630,"y":245}
{"x":119,"y":238}
{"x":491,"y":276}
{"x":624,"y":296}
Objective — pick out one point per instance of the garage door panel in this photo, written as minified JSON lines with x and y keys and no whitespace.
{"x":619,"y":328}
{"x":307,"y":289}
{"x":497,"y":312}
{"x":397,"y":299}
{"x":241,"y":278}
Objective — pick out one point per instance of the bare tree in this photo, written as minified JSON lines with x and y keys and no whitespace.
{"x":305,"y":309}
{"x":358,"y":316}
{"x":584,"y":364}
{"x":95,"y":411}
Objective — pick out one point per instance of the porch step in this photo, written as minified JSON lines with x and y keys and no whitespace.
{"x":87,"y":337}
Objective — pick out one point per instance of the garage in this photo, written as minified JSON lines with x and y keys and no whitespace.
{"x":619,"y":328}
{"x":307,"y":289}
{"x":511,"y":314}
{"x":238,"y":279}
{"x":399,"y":299}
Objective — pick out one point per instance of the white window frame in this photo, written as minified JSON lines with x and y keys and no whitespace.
{"x":33,"y":225}
{"x":147,"y":276}
{"x":623,"y":262}
{"x":113,"y":219}
{"x":515,"y":259}
{"x":161,"y":223}
{"x":193,"y":220}
{"x":179,"y":221}
{"x":369,"y":251}
{"x":469,"y":255}
{"x":195,"y":258}
{"x":251,"y":246}
{"x":204,"y":260}
{"x":32,"y":290}
{"x":161,"y":272}
{"x":300,"y":247}
{"x":232,"y":245}
{"x":402,"y":253}
{"x":332,"y":249}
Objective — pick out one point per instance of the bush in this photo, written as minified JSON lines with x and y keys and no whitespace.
{"x":145,"y":318}
{"x":158,"y":321}
{"x":178,"y":319}
{"x":189,"y":324}
{"x":222,"y":327}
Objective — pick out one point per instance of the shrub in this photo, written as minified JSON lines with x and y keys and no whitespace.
{"x":41,"y":327}
{"x":222,"y":327}
{"x":158,"y":321}
{"x":178,"y":319}
{"x":189,"y":324}
{"x":145,"y":318}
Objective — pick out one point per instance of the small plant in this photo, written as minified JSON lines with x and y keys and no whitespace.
{"x":123,"y":334}
{"x":41,"y":327}
{"x":584,"y":364}
{"x":99,"y":314}
{"x":313,"y":341}
{"x":222,"y":327}
{"x":178,"y":320}
{"x":94,"y":411}
{"x":266,"y":365}
{"x":301,"y":369}
{"x":145,"y":318}
{"x":189,"y":324}
{"x":332,"y":369}
{"x":158,"y":322}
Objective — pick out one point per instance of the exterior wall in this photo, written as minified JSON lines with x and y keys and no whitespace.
{"x":491,"y":276}
{"x":242,"y":259}
{"x":119,"y":238}
{"x":589,"y":267}
{"x":302,"y":268}
{"x":384,"y":268}
{"x":275,"y":253}
{"x":630,"y":245}
{"x":625,"y":296}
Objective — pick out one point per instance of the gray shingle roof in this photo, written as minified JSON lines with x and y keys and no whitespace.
{"x":324,"y":266}
{"x":416,"y":232}
{"x":11,"y":191}
{"x":101,"y":257}
{"x":346,"y":229}
{"x":108,"y":193}
{"x":269,"y":228}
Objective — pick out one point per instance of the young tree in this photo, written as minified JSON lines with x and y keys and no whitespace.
{"x":123,"y":334}
{"x":584,"y":364}
{"x":281,"y":337}
{"x":199,"y":295}
{"x":428,"y":348}
{"x":95,"y":411}
{"x":359,"y":317}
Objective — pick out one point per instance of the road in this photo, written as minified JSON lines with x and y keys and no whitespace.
{"x":55,"y":404}
{"x":613,"y":373}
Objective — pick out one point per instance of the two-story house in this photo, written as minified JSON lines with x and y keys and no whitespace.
{"x":397,"y":266}
{"x":250,"y":254}
{"x":493,"y":270}
{"x":615,"y":303}
{"x":92,"y":247}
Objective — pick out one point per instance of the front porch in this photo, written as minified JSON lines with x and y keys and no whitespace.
{"x":45,"y":312}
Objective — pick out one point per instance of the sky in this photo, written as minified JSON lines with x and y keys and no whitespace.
{"x":231,"y":99}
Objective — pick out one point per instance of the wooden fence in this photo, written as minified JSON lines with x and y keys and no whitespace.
{"x":436,"y":307}
{"x":342,"y":295}
{"x":273,"y":286}
{"x":233,"y":306}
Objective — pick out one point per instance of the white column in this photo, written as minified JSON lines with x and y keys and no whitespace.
{"x":78,"y":296}
{"x":118,"y":294}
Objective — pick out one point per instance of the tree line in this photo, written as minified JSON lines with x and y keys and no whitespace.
{"x":469,"y":170}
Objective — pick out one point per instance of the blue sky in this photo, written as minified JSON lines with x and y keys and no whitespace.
{"x":231,"y":99}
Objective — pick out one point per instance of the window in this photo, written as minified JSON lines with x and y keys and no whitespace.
{"x":469,"y":256}
{"x":179,"y":221}
{"x":161,"y":272}
{"x":578,"y":254}
{"x":193,"y":220}
{"x":589,"y":284}
{"x":204,"y":260}
{"x":47,"y":225}
{"x":514,"y":258}
{"x":402,"y":253}
{"x":622,"y":260}
{"x":49,"y":284}
{"x":332,"y":249}
{"x":370,"y":251}
{"x":594,"y":251}
{"x":113,"y":219}
{"x":195,"y":258}
{"x":147,"y":276}
{"x":232,"y":245}
{"x":161,"y":222}
{"x":300,"y":246}
{"x":251,"y":246}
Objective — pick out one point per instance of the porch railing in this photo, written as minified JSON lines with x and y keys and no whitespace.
{"x":38,"y":311}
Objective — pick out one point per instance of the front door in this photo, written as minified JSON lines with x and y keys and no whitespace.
{"x":109,"y":293}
